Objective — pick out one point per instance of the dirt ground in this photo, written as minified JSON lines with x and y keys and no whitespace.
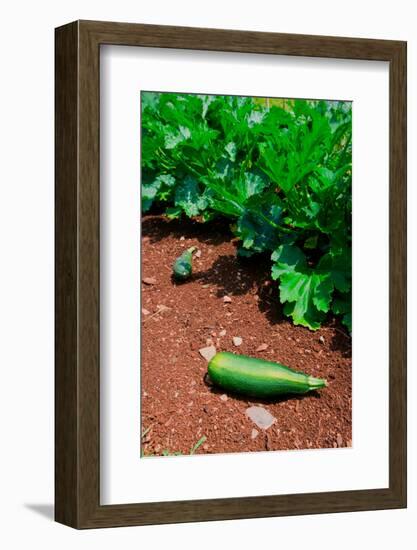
{"x":179,"y":407}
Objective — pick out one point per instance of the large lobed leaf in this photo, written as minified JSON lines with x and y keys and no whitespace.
{"x":307,"y":291}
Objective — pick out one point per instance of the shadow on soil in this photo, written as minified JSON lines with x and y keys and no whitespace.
{"x":230,"y":275}
{"x":234,"y":276}
{"x":341,"y":341}
{"x":214,"y":232}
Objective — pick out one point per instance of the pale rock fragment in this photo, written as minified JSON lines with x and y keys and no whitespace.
{"x":262,"y":347}
{"x":261,"y":417}
{"x":208,"y":352}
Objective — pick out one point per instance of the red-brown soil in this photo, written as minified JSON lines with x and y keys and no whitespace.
{"x":178,"y":406}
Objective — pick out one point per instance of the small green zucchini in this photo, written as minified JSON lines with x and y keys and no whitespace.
{"x":258,"y":378}
{"x":183,"y":267}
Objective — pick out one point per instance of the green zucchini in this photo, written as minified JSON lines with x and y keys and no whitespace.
{"x":183,"y":267}
{"x":258,"y":378}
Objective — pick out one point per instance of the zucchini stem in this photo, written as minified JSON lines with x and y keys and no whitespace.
{"x":317,"y":382}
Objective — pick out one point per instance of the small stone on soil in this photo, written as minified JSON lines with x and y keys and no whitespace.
{"x":222,"y":333}
{"x":160,"y":308}
{"x":254,"y":434}
{"x":208,"y":352}
{"x":149,"y":280}
{"x":198,"y":254}
{"x":182,"y":238}
{"x":339,"y":440}
{"x":261,"y":417}
{"x":227,"y":300}
{"x":223,"y":397}
{"x":237,"y":340}
{"x":262,"y":347}
{"x":145,"y":311}
{"x":321,"y":339}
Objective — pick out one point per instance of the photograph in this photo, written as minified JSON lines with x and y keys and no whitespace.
{"x":246,"y":274}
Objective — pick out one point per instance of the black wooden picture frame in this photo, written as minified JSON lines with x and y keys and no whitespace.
{"x":77,"y":396}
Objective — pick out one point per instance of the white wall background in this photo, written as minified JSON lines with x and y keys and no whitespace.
{"x":26,"y":274}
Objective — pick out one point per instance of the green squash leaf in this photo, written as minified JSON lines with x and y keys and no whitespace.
{"x":308,"y":292}
{"x":150,"y":190}
{"x":190,"y":197}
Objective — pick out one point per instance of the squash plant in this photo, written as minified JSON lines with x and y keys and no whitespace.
{"x":281,"y":174}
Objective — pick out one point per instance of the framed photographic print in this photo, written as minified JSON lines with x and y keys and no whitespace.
{"x":230,"y":274}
